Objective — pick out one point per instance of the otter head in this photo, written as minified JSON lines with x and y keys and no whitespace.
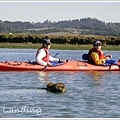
{"x":58,"y":87}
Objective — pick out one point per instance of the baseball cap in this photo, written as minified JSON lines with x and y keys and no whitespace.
{"x":97,"y":42}
{"x":47,"y":41}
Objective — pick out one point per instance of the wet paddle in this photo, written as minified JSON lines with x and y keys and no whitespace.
{"x":47,"y":65}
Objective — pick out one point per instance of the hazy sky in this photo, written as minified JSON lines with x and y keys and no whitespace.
{"x":57,"y":11}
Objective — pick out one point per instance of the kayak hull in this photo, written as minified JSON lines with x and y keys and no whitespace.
{"x":71,"y":65}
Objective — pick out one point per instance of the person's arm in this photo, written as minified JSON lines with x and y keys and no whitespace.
{"x":40,"y":56}
{"x":108,"y":57}
{"x":53,"y":59}
{"x":96,"y":59}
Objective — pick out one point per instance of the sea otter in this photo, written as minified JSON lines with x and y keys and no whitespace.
{"x":58,"y":87}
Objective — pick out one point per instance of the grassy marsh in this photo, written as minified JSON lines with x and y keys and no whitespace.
{"x":56,"y":46}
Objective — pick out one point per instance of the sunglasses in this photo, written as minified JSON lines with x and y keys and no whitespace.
{"x":48,"y":44}
{"x":98,"y":45}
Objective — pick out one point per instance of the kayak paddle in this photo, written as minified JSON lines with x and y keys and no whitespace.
{"x":47,"y":65}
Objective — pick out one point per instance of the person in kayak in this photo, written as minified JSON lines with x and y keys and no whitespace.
{"x":43,"y":56}
{"x":96,"y":55}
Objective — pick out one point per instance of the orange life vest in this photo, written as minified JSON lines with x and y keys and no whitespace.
{"x":100,"y":53}
{"x":46,"y":58}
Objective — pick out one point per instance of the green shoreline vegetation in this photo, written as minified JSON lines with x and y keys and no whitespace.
{"x":56,"y":46}
{"x":59,"y":41}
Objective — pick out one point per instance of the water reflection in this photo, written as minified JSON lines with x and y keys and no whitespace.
{"x":43,"y":76}
{"x":97,"y":76}
{"x":71,"y":76}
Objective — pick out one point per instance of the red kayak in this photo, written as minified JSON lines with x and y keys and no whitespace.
{"x":71,"y":65}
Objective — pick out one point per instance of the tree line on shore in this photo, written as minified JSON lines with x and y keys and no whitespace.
{"x":84,"y":26}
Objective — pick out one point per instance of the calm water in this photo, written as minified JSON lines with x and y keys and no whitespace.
{"x":88,"y":95}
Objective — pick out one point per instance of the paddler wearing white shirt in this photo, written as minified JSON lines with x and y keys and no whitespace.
{"x":43,"y":56}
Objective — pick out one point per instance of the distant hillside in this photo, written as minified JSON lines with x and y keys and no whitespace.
{"x":84,"y":26}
